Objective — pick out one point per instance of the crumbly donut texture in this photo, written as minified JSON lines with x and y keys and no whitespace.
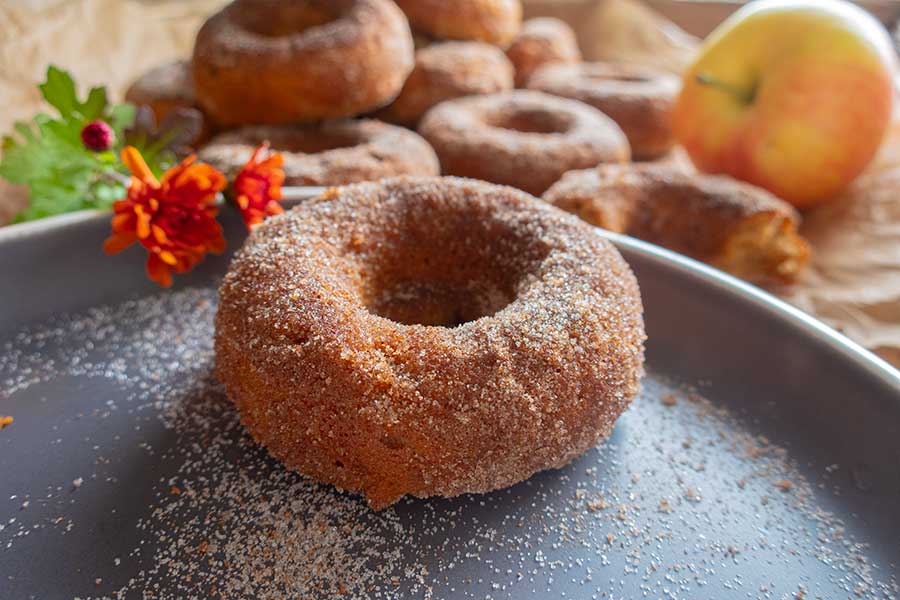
{"x":521,"y":138}
{"x":492,"y":21}
{"x":428,"y":336}
{"x":329,"y":153}
{"x":271,"y":62}
{"x":447,"y":70}
{"x":732,"y":225}
{"x":639,"y":99}
{"x":542,"y":41}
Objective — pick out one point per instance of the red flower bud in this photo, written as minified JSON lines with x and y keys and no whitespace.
{"x":97,"y":136}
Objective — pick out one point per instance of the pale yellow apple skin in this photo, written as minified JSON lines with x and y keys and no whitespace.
{"x":820,"y":76}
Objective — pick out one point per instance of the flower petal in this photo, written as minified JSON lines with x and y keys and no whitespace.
{"x":159,"y":234}
{"x":118,"y":242}
{"x":138,"y":166}
{"x":168,"y":258}
{"x":159,"y":271}
{"x":142,"y":227}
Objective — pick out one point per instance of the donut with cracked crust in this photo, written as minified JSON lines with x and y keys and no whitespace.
{"x":729,"y":224}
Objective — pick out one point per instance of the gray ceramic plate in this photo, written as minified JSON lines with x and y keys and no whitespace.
{"x":761,"y":460}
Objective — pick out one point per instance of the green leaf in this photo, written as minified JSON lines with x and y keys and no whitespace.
{"x":104,"y":193}
{"x":59,"y":91}
{"x":95,"y":105}
{"x":120,"y":117}
{"x":48,"y":156}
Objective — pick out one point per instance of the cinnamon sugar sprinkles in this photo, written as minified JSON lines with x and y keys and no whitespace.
{"x":176,"y":502}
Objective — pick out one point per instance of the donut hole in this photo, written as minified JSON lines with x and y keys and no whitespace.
{"x":445,"y":270}
{"x":316,"y":143}
{"x":531,"y":120}
{"x":303,"y":140}
{"x":290,"y":18}
{"x":438,"y":303}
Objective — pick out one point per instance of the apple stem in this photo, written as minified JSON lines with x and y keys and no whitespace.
{"x":744,"y":95}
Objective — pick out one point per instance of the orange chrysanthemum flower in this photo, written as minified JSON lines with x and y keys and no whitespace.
{"x":173,"y":218}
{"x":257,"y":188}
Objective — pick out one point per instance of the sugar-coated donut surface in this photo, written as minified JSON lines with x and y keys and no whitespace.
{"x":328,"y":153}
{"x":168,"y":91}
{"x":735,"y":226}
{"x":164,"y":89}
{"x":270,"y":61}
{"x":542,"y":41}
{"x":493,"y":21}
{"x":638,"y":99}
{"x":447,"y":70}
{"x":522,"y":138}
{"x":428,"y":336}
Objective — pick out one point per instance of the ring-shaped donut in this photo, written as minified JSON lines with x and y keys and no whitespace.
{"x":492,"y":21}
{"x":428,"y":336}
{"x":639,"y":99}
{"x":269,"y":61}
{"x":448,"y":70}
{"x":168,"y":91}
{"x":522,"y":138}
{"x":328,"y":153}
{"x":542,"y":41}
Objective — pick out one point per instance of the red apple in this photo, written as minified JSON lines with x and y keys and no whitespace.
{"x":791,"y":96}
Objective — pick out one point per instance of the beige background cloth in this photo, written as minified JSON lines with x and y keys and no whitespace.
{"x":853,"y":282}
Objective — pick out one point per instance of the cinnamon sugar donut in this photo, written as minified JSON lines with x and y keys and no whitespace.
{"x":449,"y":70}
{"x":329,"y":153}
{"x":428,"y":336}
{"x":269,"y":61}
{"x":524,"y":139}
{"x":732,"y":225}
{"x":168,"y":92}
{"x":492,"y":21}
{"x":164,"y":88}
{"x":639,"y":99}
{"x":540,"y":42}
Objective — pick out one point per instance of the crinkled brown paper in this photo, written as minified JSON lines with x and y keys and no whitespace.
{"x":853,"y":282}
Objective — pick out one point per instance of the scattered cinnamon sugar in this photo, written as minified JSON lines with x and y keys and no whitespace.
{"x":669,"y":399}
{"x":272,"y":534}
{"x":597,"y":505}
{"x":692,"y":495}
{"x":785,"y":485}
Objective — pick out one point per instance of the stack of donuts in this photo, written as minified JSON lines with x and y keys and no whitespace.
{"x":361,"y":90}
